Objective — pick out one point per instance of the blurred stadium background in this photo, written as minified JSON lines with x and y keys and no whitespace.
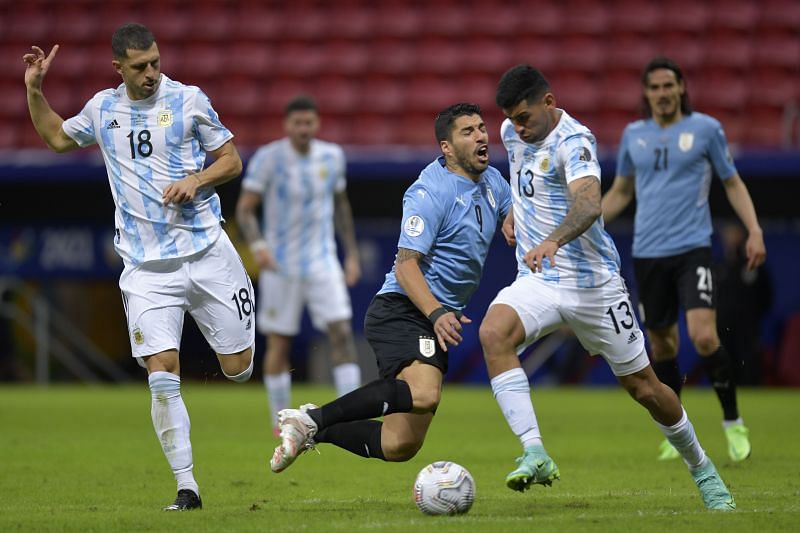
{"x":380,"y":71}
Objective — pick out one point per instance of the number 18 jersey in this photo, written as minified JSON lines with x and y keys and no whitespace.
{"x":146,"y":145}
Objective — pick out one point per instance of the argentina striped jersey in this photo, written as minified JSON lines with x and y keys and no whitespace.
{"x":297,"y":193}
{"x":540,"y":174}
{"x":146,"y":145}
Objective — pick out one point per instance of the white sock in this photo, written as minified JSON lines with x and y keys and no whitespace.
{"x":513,"y":393}
{"x":346,"y":377}
{"x":683,"y":438}
{"x":171,"y":422}
{"x":279,"y":393}
{"x":728,"y":423}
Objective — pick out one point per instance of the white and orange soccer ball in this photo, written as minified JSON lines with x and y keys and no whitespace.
{"x":444,"y":487}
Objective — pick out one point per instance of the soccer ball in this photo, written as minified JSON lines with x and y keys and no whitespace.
{"x":444,"y":487}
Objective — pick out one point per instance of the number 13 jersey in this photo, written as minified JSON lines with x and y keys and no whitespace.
{"x":540,"y":177}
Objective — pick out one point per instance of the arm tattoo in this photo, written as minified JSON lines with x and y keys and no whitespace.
{"x":404,"y":254}
{"x":584,"y":211}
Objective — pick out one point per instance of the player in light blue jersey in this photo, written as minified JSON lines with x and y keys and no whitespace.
{"x":667,"y":162}
{"x":154,"y":134}
{"x":450,"y":215}
{"x":300,"y":181}
{"x":568,"y":275}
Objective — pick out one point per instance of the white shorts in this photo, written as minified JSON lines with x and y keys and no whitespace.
{"x":281,"y":301}
{"x":212,"y":286}
{"x":602,"y":318}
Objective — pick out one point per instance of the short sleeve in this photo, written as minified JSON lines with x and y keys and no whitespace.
{"x":624,"y":162}
{"x":258,"y":172}
{"x":80,"y":128}
{"x":720,"y":154}
{"x":422,"y":218}
{"x":210,"y":131}
{"x":578,"y":156}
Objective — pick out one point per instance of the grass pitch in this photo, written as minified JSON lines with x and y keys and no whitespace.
{"x":76,"y":458}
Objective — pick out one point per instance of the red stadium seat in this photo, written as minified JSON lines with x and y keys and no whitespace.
{"x":583,"y":54}
{"x":351,"y":22}
{"x":634,"y":16}
{"x":487,"y":55}
{"x":439,"y":55}
{"x":169,"y":22}
{"x":541,"y":17}
{"x":585,"y":17}
{"x":780,"y":16}
{"x":397,"y":20}
{"x":541,"y":52}
{"x":417,"y":129}
{"x":737,"y":15}
{"x":686,"y":50}
{"x":299,"y":58}
{"x":729,"y":52}
{"x":9,"y":136}
{"x":779,"y":50}
{"x":384,"y":94}
{"x":345,"y":58}
{"x":281,"y":90}
{"x":210,"y":21}
{"x":248,"y":58}
{"x":256,"y":21}
{"x":24,"y":24}
{"x":720,"y":91}
{"x":375,"y":129}
{"x":15,"y":103}
{"x":773,"y":87}
{"x":73,"y":23}
{"x":495,"y":19}
{"x":431,"y":94}
{"x":445,"y":20}
{"x":338,"y":94}
{"x":621,"y":91}
{"x":392,"y":56}
{"x":576,"y":92}
{"x":684,"y":16}
{"x":627,"y":52}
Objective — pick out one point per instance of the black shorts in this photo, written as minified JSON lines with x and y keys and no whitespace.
{"x":665,"y":283}
{"x":400,"y":334}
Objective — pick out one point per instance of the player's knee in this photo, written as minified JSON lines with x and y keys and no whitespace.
{"x":705,"y":342}
{"x":401,"y":450}
{"x":238,"y":367}
{"x":492,"y":338}
{"x":663,"y":348}
{"x":426,"y":400}
{"x":644,"y":393}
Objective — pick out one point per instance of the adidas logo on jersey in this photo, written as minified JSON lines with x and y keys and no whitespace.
{"x":632,"y":337}
{"x":112,"y":125}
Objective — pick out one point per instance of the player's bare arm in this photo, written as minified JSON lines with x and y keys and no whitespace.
{"x":508,"y":228}
{"x":46,"y":121}
{"x":247,"y":220}
{"x":447,"y":326}
{"x":742,"y":203}
{"x":226,"y":166}
{"x":584,"y":211}
{"x":345,"y":229}
{"x":618,"y":197}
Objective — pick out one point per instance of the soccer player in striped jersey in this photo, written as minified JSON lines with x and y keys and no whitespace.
{"x":450,"y":216}
{"x":154,"y":134}
{"x":568,"y":273}
{"x":300,"y":181}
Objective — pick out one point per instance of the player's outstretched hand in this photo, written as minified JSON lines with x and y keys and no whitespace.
{"x":37,"y":65}
{"x":535,"y":256}
{"x":448,"y":329}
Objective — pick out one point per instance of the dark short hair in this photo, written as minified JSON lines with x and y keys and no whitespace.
{"x":664,"y":62}
{"x":301,"y":103}
{"x":131,"y":36}
{"x":443,"y":125}
{"x":522,"y":82}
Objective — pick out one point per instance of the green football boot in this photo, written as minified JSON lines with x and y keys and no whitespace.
{"x":738,"y":442}
{"x":716,"y":495}
{"x":667,"y":452}
{"x":535,"y":467}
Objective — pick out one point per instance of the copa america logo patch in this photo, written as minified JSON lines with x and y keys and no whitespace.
{"x":414,"y":226}
{"x":427,"y":346}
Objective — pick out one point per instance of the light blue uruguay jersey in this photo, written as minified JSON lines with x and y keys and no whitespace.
{"x":146,"y":145}
{"x":540,"y":175}
{"x":451,"y":220}
{"x":298,"y":201}
{"x":672,"y":169}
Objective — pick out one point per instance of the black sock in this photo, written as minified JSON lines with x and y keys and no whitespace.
{"x":720,"y":372}
{"x":669,"y":374}
{"x":377,"y":398}
{"x":362,"y":437}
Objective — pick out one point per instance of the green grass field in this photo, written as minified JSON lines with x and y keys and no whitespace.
{"x":86,"y":459}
